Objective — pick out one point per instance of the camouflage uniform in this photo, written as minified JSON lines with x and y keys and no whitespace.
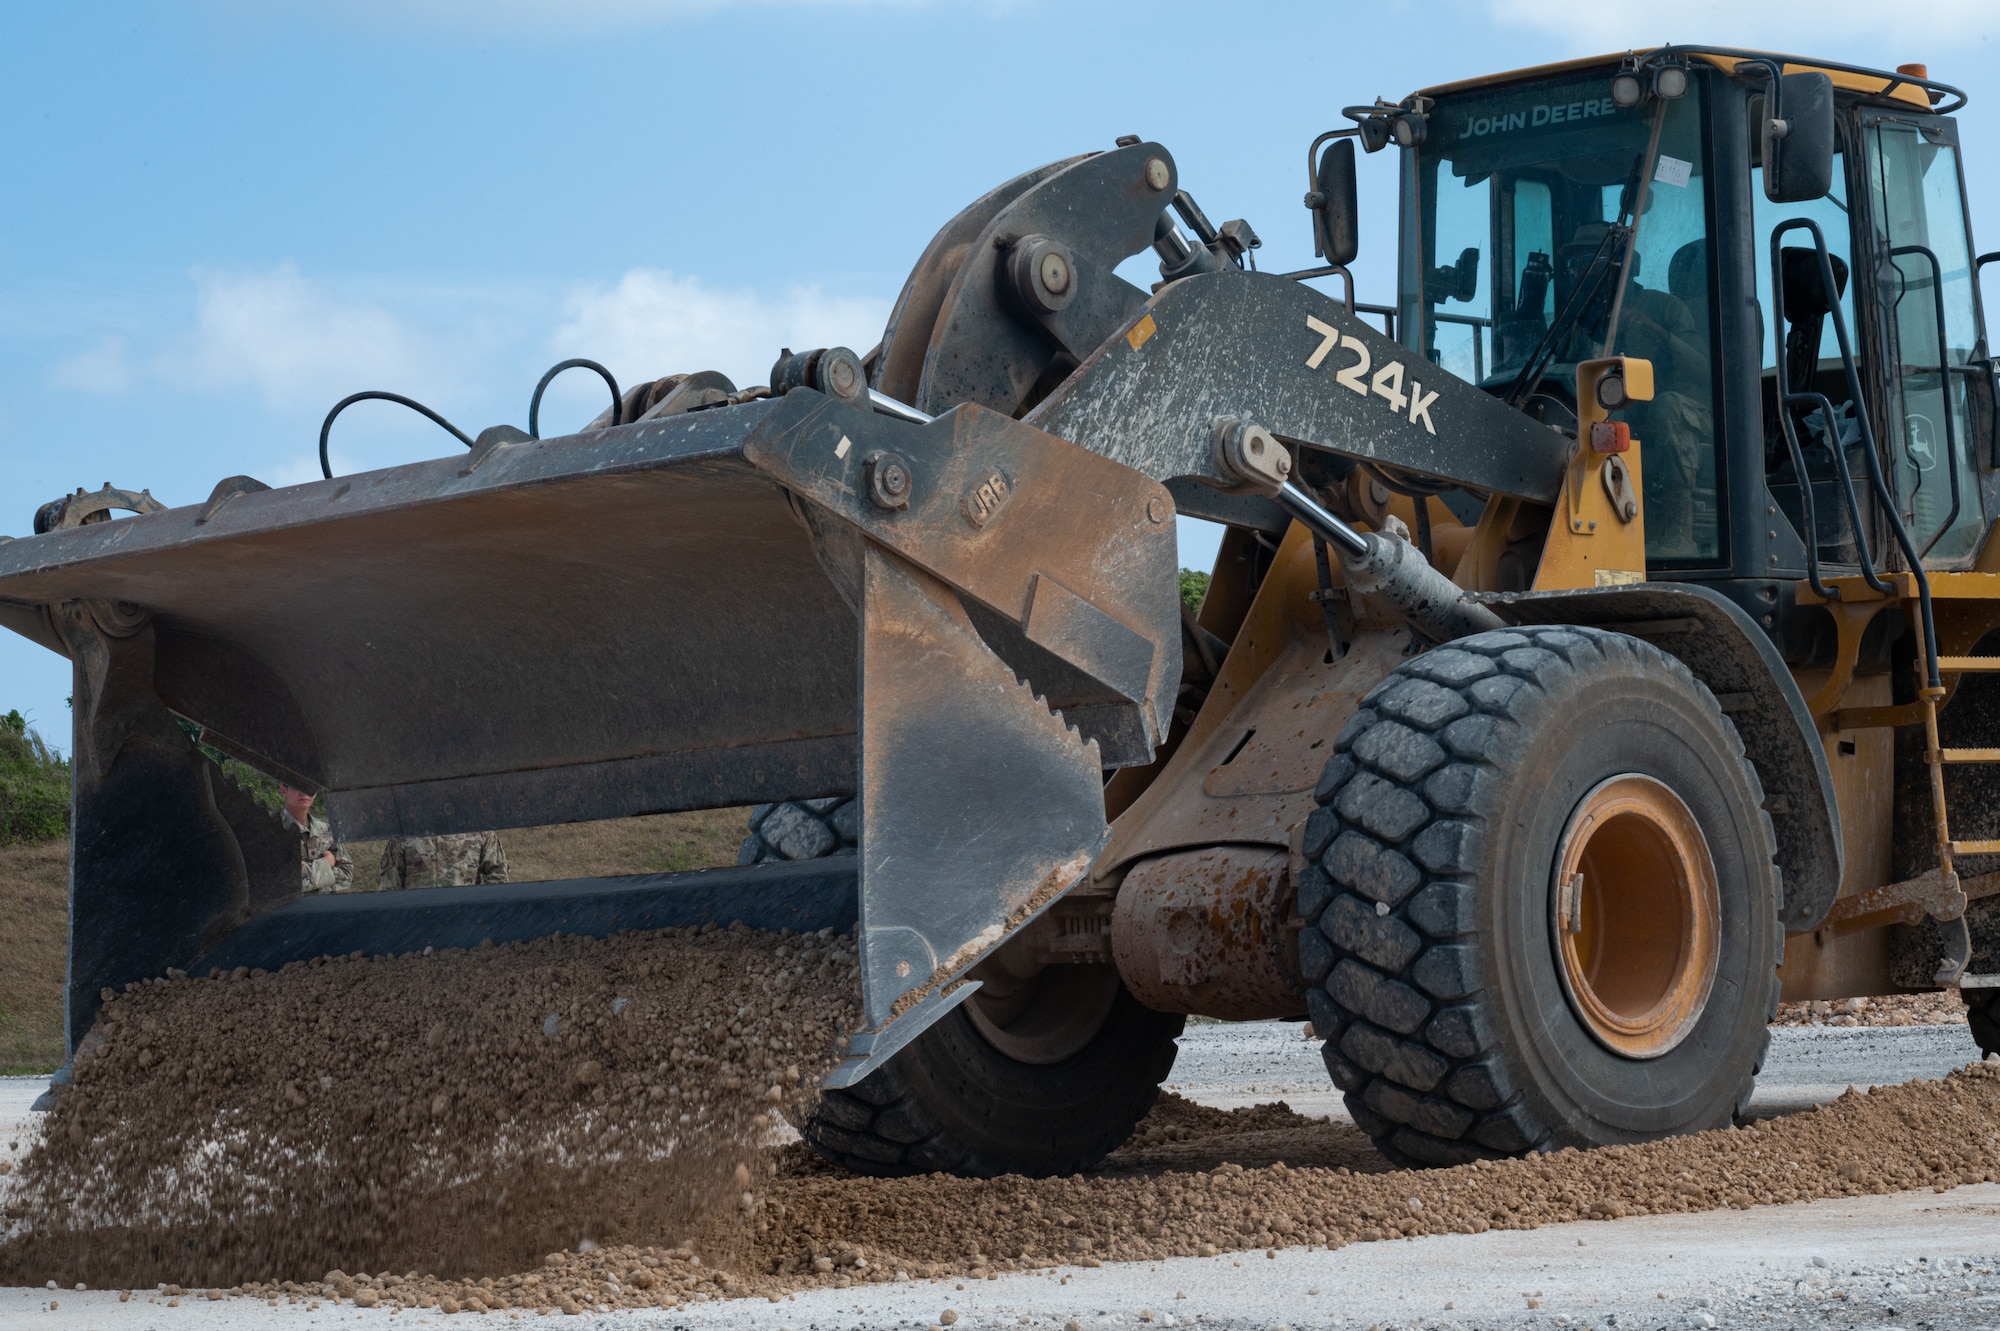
{"x":315,"y":874}
{"x":457,"y":859}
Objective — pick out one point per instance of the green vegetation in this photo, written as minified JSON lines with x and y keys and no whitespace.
{"x":34,"y":785}
{"x":34,"y":896}
{"x":1194,"y":586}
{"x":255,"y":784}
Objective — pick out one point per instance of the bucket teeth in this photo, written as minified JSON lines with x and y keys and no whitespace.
{"x":1056,"y":714}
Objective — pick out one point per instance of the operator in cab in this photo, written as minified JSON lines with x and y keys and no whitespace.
{"x":1676,"y":428}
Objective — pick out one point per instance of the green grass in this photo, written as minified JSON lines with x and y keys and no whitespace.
{"x":34,"y":918}
{"x":34,"y":786}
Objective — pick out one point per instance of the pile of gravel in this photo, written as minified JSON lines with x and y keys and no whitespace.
{"x":1926,"y":1134}
{"x":463,"y":1112}
{"x":819,"y":1228}
{"x":573,"y":1124}
{"x":1942,"y":1008}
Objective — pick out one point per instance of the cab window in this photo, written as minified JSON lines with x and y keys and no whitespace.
{"x":1516,"y":192}
{"x":1813,"y":363}
{"x":1926,"y":282}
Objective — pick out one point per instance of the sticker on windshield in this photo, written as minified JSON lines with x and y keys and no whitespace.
{"x":1673,"y":171}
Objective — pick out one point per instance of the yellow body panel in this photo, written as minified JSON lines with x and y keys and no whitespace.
{"x":1590,"y":544}
{"x":1844,"y":80}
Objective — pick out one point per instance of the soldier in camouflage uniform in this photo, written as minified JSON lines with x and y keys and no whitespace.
{"x":324,"y":865}
{"x":457,"y":859}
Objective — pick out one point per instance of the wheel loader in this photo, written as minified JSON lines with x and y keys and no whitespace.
{"x":1602,"y":646}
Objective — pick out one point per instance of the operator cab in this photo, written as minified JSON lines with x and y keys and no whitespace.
{"x":1619,"y":207}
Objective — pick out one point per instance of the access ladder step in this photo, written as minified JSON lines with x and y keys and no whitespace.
{"x":1979,"y":981}
{"x":1975,"y":847}
{"x":1969,"y":755}
{"x":1950,"y":664}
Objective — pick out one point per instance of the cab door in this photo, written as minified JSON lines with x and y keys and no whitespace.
{"x":1938,"y":386}
{"x":1805,"y":323}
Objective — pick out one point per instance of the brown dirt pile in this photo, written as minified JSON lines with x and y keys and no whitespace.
{"x":1939,"y":1009}
{"x":465,"y":1112}
{"x":1180,"y":1136}
{"x":821,"y":1228}
{"x":1924,"y":1134}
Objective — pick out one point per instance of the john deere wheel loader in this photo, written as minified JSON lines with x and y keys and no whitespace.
{"x":1601,"y":648}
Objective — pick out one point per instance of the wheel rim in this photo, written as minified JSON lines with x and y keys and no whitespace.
{"x":1637,"y":916}
{"x":1044,"y":1017}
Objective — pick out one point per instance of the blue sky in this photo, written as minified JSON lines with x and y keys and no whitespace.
{"x":222,"y":216}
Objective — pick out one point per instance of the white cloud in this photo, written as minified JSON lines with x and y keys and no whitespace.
{"x":653,"y":323}
{"x":297,"y":343}
{"x":1773,"y":24}
{"x":104,"y":368}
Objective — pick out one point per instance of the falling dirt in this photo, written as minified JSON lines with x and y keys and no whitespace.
{"x":610,"y":1200}
{"x":465,"y":1112}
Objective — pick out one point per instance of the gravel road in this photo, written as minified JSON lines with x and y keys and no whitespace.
{"x":1232,"y":1065}
{"x":1907,"y":1259}
{"x":1255,"y":1062}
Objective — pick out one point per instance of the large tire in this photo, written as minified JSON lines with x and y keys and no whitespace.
{"x":1435,"y":960}
{"x":954,"y":1102}
{"x":802,"y":830}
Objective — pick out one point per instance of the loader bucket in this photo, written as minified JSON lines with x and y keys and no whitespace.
{"x":696,"y":612}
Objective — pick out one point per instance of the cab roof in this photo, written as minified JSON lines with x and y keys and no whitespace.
{"x":1914,"y":89}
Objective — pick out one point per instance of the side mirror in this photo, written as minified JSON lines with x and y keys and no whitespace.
{"x":1335,"y":205}
{"x":1798,"y":142}
{"x":1457,"y":281}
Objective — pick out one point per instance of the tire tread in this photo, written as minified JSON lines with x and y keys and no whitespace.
{"x":1407,"y":833}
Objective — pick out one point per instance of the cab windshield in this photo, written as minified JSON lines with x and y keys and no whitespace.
{"x":1516,"y":199}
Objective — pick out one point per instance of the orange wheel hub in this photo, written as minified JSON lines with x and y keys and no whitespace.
{"x":1637,"y":916}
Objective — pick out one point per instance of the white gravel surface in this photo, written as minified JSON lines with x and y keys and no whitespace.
{"x":1912,"y":1260}
{"x":1260,"y":1061}
{"x":1256,"y":1062}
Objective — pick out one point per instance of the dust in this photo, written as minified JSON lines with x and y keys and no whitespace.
{"x":465,"y":1112}
{"x":1942,"y":1008}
